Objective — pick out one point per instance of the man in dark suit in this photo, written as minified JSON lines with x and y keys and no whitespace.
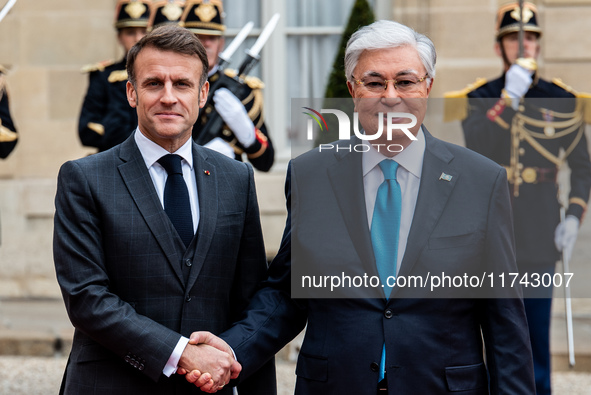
{"x":106,"y":119}
{"x":532,"y":127}
{"x":145,"y":253}
{"x":450,"y":214}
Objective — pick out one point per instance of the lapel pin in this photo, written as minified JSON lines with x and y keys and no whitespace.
{"x":445,"y":177}
{"x":206,"y":172}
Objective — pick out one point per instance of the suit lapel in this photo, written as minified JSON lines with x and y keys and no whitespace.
{"x":207,"y":190}
{"x":136,"y":177}
{"x":346,"y":178}
{"x":434,"y":193}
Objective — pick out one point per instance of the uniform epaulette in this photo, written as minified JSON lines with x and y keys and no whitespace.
{"x":231,"y":72}
{"x":560,"y":83}
{"x":457,"y":107}
{"x":254,"y":83}
{"x":3,"y":69}
{"x":585,"y":104}
{"x":117,"y":75}
{"x":100,"y":66}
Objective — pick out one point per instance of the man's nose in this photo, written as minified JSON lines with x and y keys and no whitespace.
{"x":390,"y":96}
{"x":168,"y":94}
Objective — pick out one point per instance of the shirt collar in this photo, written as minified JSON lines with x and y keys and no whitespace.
{"x":151,"y":151}
{"x":411,"y":158}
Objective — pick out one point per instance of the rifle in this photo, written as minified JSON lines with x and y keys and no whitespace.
{"x":214,"y":126}
{"x":520,"y":34}
{"x":6,"y":8}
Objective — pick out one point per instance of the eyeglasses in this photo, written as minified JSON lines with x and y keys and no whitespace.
{"x":407,"y":84}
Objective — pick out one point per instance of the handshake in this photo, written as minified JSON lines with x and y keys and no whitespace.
{"x":208,"y":362}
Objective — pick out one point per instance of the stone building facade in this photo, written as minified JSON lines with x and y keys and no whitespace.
{"x":45,"y":43}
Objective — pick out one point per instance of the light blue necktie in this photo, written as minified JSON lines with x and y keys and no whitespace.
{"x":385,"y":227}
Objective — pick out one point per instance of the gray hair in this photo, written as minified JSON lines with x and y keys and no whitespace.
{"x":388,"y":34}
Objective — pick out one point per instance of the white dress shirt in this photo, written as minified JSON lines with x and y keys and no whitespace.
{"x":408,"y":174}
{"x":151,"y":152}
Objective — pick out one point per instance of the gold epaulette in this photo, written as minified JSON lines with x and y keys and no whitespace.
{"x":100,"y":66}
{"x":231,"y":73}
{"x":584,"y":99}
{"x":457,"y":107}
{"x":7,"y":135}
{"x":117,"y":75}
{"x":254,"y":83}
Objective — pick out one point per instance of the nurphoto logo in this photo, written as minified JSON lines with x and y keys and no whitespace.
{"x":345,"y":130}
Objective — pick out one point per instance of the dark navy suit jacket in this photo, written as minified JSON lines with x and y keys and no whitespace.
{"x":433,"y":345}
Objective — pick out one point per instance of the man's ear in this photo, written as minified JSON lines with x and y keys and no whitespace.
{"x":350,"y":87}
{"x":131,"y":95}
{"x":497,"y":48}
{"x":430,"y":85}
{"x":203,"y":94}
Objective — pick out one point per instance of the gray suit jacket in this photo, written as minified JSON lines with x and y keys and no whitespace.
{"x":433,"y":345}
{"x":120,"y":263}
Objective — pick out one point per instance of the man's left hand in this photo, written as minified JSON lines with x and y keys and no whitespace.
{"x":235,"y":116}
{"x":565,"y":235}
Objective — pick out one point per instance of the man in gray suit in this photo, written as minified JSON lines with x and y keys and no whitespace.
{"x":400,"y":210}
{"x":146,"y":252}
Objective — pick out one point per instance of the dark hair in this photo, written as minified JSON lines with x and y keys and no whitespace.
{"x":169,"y":38}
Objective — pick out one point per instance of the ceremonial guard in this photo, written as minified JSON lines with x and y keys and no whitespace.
{"x":166,"y":12}
{"x":106,"y":119}
{"x":531,"y":126}
{"x":243,"y":131}
{"x":8,"y":136}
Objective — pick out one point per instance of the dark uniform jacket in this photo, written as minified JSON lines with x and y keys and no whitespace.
{"x":531,"y":143}
{"x":106,"y":118}
{"x":261,"y":153}
{"x":8,"y":136}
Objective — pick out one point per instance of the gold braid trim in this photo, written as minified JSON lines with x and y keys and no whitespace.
{"x":502,"y":122}
{"x":579,"y":201}
{"x":7,"y":135}
{"x":455,"y":107}
{"x":256,"y":96}
{"x":264,"y":144}
{"x":543,"y":151}
{"x":96,"y":127}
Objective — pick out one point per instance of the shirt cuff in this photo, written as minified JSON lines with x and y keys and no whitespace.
{"x":173,"y":362}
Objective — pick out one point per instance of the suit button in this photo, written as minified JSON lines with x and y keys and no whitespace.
{"x":374,"y":366}
{"x":388,"y":313}
{"x":188,"y":262}
{"x":188,"y":299}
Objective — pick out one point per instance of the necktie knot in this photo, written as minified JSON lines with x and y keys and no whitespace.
{"x":389,"y":168}
{"x":171,"y":163}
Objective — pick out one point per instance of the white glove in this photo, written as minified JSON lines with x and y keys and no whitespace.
{"x":566,"y":235}
{"x":221,"y":146}
{"x":235,"y":116}
{"x":517,"y":83}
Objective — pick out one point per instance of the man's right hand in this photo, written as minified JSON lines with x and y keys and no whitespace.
{"x":218,"y":366}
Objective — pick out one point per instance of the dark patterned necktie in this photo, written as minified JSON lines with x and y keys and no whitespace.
{"x":176,"y":198}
